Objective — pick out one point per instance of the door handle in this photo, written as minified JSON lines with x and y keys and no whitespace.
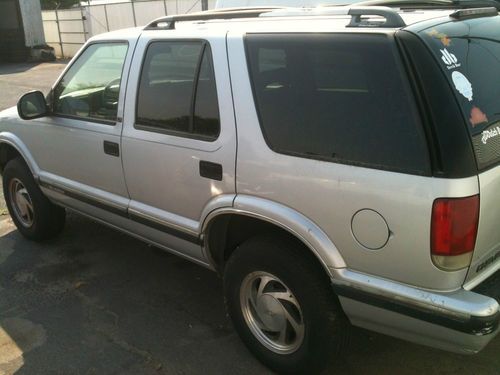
{"x":210,"y":170}
{"x":111,"y":148}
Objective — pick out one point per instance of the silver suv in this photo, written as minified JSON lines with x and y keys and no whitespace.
{"x":334,"y":165}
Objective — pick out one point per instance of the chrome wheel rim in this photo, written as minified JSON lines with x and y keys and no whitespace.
{"x":21,"y":203}
{"x":272,"y":312}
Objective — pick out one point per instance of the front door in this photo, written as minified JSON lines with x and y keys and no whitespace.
{"x":77,"y":148}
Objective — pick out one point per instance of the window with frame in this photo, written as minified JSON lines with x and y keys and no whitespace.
{"x":468,"y":52}
{"x":336,"y":97}
{"x":91,"y":86}
{"x":177,"y":93}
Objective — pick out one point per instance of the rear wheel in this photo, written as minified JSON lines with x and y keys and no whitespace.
{"x":283,"y":307}
{"x":33,"y":214}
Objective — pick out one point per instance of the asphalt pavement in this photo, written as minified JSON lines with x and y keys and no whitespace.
{"x":95,"y":301}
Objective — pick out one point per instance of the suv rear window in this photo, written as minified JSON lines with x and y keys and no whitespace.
{"x":469,"y":54}
{"x":336,"y":97}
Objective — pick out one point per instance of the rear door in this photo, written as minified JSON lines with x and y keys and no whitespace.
{"x":469,"y":53}
{"x":179,"y":142}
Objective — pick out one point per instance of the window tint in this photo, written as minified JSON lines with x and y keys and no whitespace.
{"x":177,"y":92}
{"x":91,"y":87}
{"x":271,"y":59}
{"x":206,"y":110}
{"x":336,"y":97}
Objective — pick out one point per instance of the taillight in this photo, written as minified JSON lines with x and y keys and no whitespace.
{"x":453,"y":231}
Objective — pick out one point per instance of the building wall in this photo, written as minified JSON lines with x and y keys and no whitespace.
{"x":67,"y":30}
{"x":9,"y":19}
{"x":12,"y":46}
{"x":31,"y":13}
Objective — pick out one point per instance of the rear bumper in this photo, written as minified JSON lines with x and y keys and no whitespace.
{"x":461,"y":321}
{"x":490,"y":287}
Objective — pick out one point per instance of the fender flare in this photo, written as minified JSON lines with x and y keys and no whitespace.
{"x":15,"y":142}
{"x":288,"y":219}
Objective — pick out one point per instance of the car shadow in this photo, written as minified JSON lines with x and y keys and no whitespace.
{"x":98,"y":301}
{"x":108,"y":303}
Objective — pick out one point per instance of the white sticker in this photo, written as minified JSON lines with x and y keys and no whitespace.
{"x":449,"y":59}
{"x":492,"y":133}
{"x":462,"y":84}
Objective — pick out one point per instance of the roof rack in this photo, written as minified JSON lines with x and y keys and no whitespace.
{"x":392,"y":17}
{"x":474,"y":12}
{"x":168,"y":22}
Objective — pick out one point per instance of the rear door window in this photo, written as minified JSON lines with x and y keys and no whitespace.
{"x":177,"y":91}
{"x":469,"y":55}
{"x":336,"y":97}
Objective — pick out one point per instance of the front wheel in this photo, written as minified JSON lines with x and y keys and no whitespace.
{"x":283,"y":307}
{"x":34,"y":215}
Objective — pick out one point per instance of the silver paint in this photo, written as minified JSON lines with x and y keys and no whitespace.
{"x":157,"y":178}
{"x":329,"y":194}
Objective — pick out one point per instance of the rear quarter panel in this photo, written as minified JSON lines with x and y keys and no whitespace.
{"x":329,"y":194}
{"x":486,"y":259}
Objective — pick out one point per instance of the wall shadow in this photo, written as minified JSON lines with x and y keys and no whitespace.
{"x":13,"y":68}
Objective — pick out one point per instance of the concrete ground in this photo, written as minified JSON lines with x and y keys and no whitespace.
{"x":17,"y":79}
{"x":95,"y":301}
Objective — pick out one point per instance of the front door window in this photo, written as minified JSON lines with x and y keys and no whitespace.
{"x":90,"y":88}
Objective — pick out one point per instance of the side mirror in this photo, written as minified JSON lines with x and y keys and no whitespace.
{"x":32,"y":105}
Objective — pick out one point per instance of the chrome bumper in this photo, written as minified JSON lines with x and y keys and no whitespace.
{"x":460,"y":321}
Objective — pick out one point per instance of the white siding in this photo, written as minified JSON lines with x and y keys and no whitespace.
{"x":147,"y":11}
{"x":73,"y":30}
{"x":120,"y":16}
{"x":96,"y":19}
{"x":188,"y":6}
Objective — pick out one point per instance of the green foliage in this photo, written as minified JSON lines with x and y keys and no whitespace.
{"x":52,"y":4}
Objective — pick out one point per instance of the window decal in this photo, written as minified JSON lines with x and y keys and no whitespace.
{"x":443,"y":38}
{"x":449,"y":59}
{"x":476,"y":83}
{"x":446,"y":41}
{"x":477,"y":116}
{"x":462,"y":85}
{"x":490,"y":133}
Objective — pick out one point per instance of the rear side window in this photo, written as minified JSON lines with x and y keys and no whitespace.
{"x":336,"y":97}
{"x":469,"y":55}
{"x":177,"y":93}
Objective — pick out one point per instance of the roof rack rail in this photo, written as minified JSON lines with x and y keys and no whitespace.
{"x":392,"y":17}
{"x":474,"y":12}
{"x":168,"y":22}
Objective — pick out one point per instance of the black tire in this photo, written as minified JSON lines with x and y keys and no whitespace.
{"x":326,"y":329}
{"x":47,"y":218}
